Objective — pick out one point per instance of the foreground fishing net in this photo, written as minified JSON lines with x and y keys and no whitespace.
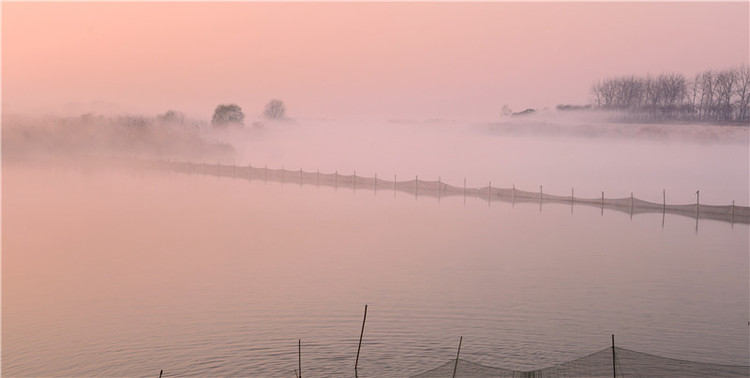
{"x":605,"y":363}
{"x":439,"y":189}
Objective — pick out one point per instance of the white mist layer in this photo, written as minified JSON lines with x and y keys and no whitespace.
{"x":452,"y":151}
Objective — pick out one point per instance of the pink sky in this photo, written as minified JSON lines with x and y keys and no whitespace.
{"x":341,"y":59}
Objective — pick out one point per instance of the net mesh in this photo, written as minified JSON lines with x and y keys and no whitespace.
{"x":437,"y":188}
{"x":622,"y":363}
{"x":609,"y":362}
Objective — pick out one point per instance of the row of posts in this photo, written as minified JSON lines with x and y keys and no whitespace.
{"x":440,"y":189}
{"x":440,"y":184}
{"x":298,"y":370}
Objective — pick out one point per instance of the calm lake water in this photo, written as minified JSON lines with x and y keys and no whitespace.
{"x":126,"y":272}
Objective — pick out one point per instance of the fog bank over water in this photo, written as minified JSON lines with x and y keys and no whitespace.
{"x":141,"y":232}
{"x":556,"y":150}
{"x":588,"y":156}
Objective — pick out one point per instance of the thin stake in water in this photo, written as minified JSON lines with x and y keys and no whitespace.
{"x":299,"y":356}
{"x":458,"y":354}
{"x":356,"y":361}
{"x":614,"y":365}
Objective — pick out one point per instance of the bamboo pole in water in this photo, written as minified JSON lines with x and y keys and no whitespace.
{"x":299,"y":356}
{"x":572,"y":199}
{"x":455,"y":366}
{"x":697,"y":202}
{"x":614,"y":364}
{"x":356,"y":361}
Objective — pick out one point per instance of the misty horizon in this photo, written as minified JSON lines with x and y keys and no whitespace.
{"x":387,"y":60}
{"x":218,"y":189}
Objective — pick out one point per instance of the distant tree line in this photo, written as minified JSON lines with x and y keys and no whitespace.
{"x":714,"y":95}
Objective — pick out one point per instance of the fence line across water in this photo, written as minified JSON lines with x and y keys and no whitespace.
{"x":611,"y":362}
{"x":439,"y":189}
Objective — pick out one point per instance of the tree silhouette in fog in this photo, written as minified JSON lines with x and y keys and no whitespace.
{"x":172,"y":116}
{"x":713,"y":95}
{"x":275,"y":109}
{"x":225,"y":115}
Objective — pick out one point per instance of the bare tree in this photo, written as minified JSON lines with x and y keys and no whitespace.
{"x":596,"y":95}
{"x":607,"y":92}
{"x":725,"y":81}
{"x":742,"y":93}
{"x":712,"y":95}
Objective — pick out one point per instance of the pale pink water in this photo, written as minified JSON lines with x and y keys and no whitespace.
{"x":126,"y":272}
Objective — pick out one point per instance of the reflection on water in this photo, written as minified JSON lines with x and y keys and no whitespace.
{"x":127,"y":272}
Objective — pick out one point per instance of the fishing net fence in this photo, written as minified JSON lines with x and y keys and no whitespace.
{"x":610,"y":362}
{"x":439,"y":189}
